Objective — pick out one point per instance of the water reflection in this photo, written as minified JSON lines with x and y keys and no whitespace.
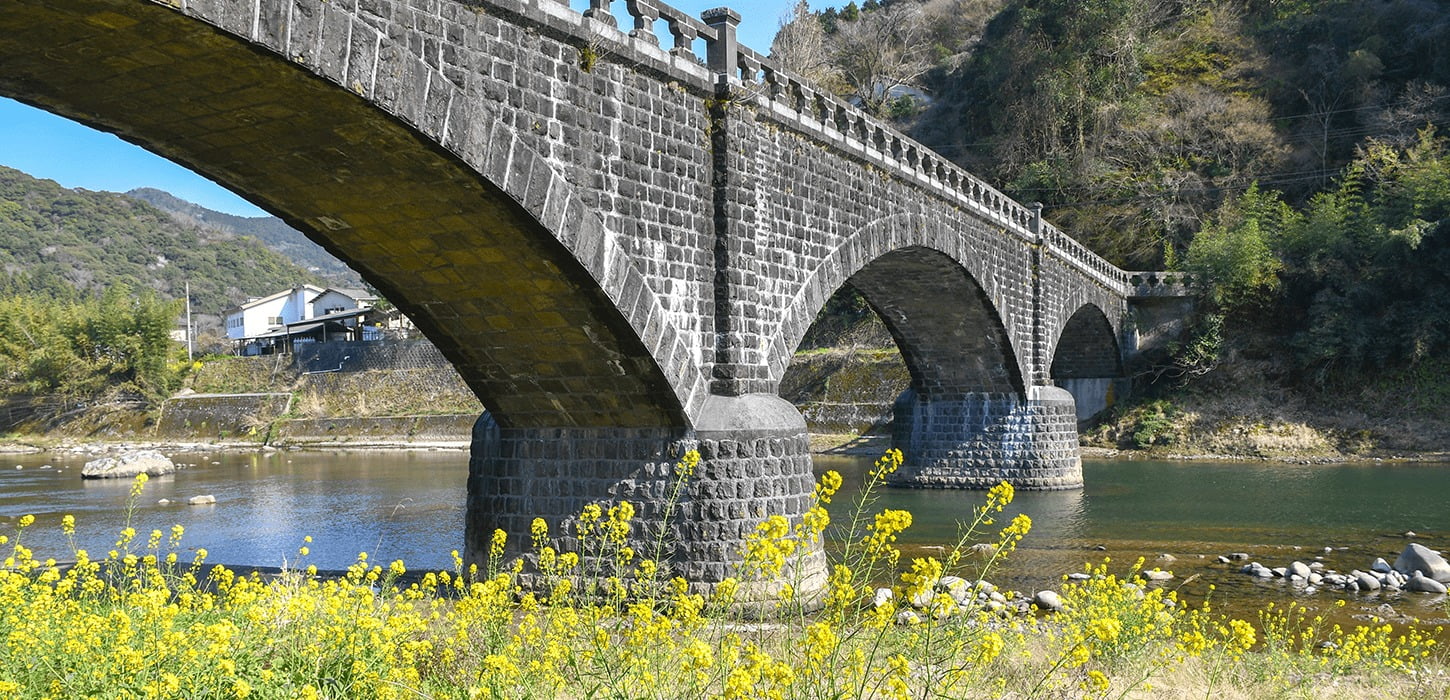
{"x":394,"y":505}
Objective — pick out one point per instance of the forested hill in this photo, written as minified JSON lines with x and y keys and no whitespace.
{"x":268,"y":230}
{"x":1133,"y":120}
{"x":56,"y":242}
{"x":1292,"y":151}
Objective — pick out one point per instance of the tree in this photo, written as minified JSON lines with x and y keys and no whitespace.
{"x":882,"y":52}
{"x":119,"y":342}
{"x":801,"y":47}
{"x":1232,"y":252}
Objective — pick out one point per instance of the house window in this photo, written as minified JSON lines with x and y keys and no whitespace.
{"x":274,"y":320}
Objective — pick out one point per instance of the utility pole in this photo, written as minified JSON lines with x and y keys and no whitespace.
{"x":188,"y":321}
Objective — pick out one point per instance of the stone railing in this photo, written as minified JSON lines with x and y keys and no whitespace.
{"x":832,"y":119}
{"x":1162,"y":284}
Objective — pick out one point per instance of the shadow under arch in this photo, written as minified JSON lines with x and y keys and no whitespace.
{"x":432,"y":198}
{"x":968,"y":419}
{"x":1087,"y":361}
{"x":952,"y":336}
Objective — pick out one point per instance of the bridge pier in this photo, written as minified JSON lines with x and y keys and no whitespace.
{"x":979,"y":440}
{"x":754,"y":462}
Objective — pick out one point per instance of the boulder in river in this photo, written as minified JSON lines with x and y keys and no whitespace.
{"x":128,"y":465}
{"x":203,"y":500}
{"x":1418,"y":557}
{"x":1419,"y":582}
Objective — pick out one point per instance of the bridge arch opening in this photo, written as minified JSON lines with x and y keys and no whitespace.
{"x":1087,"y":361}
{"x":530,"y":327}
{"x":965,"y":417}
{"x":913,"y":320}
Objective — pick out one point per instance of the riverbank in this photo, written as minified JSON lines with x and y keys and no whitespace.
{"x":409,"y":398}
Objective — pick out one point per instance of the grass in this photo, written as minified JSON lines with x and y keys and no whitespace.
{"x":608,"y":620}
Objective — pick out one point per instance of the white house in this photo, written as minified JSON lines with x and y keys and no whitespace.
{"x":333,"y":300}
{"x":258,"y":317}
{"x":306,"y":313}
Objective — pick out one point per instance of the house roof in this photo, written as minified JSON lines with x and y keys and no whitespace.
{"x":300,"y":328}
{"x":271,"y":297}
{"x":336,"y":316}
{"x":354,"y":294}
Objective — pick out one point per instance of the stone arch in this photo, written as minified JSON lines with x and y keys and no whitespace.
{"x":904,"y":271}
{"x":316,"y":114}
{"x":1087,"y":361}
{"x":1086,"y":347}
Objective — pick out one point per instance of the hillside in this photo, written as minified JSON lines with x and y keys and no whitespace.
{"x":1133,"y":120}
{"x":270,"y":231}
{"x":60,"y":242}
{"x":1291,"y":152}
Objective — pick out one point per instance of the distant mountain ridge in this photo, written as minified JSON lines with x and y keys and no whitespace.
{"x":58,"y":241}
{"x":270,"y":231}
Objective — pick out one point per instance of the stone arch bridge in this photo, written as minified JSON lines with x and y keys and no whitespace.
{"x":617,"y":240}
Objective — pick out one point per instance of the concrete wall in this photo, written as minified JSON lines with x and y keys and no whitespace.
{"x":211,"y":416}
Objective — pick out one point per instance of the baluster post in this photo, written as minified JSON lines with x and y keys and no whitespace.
{"x":724,"y":52}
{"x":599,"y":12}
{"x":644,"y":14}
{"x":684,"y":35}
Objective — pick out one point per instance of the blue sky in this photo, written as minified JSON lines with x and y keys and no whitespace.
{"x":47,"y":146}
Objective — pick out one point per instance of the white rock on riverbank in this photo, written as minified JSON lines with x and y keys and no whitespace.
{"x":1418,"y":557}
{"x":128,"y":465}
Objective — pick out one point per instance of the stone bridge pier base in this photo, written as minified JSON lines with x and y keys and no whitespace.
{"x":754,"y":462}
{"x":980,"y":440}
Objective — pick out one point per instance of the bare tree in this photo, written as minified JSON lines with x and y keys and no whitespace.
{"x":881,"y":52}
{"x":801,"y":47}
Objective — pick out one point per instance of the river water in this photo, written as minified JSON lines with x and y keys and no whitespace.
{"x":409,"y":505}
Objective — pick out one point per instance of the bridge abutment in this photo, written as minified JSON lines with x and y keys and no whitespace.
{"x":754,"y":462}
{"x":979,"y":440}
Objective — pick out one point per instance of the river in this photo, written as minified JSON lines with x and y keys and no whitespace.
{"x":409,"y":505}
